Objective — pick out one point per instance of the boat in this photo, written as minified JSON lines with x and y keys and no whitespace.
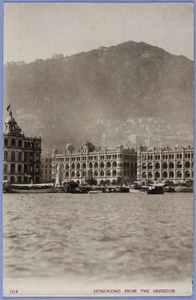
{"x":121,"y":189}
{"x":155,"y":189}
{"x":169,"y":189}
{"x":95,"y":191}
{"x":80,"y":190}
{"x":34,"y":188}
{"x":137,"y":189}
{"x":184,"y":189}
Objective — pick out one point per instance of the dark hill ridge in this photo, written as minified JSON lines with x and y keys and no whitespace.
{"x":59,"y":98}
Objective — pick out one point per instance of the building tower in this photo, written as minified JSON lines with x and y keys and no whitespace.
{"x":21,"y":155}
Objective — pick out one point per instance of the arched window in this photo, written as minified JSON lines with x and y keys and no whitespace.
{"x":19,"y":168}
{"x":72,"y":174}
{"x":157,"y":166}
{"x":19,"y":179}
{"x":84,"y":173}
{"x":12,"y":156}
{"x":108,"y":164}
{"x":13,"y":142}
{"x":179,"y":174}
{"x":164,"y":174}
{"x":5,"y":142}
{"x":102,"y":165}
{"x":157,"y":175}
{"x":171,"y":174}
{"x":5,"y":168}
{"x":114,"y":173}
{"x":73,"y":166}
{"x":114,"y":164}
{"x":164,"y":165}
{"x":12,"y":179}
{"x":84,"y":166}
{"x":108,"y":173}
{"x":78,"y":166}
{"x":19,"y":156}
{"x":78,"y":174}
{"x":149,"y":174}
{"x":144,"y":166}
{"x":67,"y":166}
{"x":125,"y":164}
{"x":102,"y":173}
{"x":144,"y":175}
{"x":96,"y":165}
{"x":5,"y":155}
{"x":179,"y":165}
{"x":67,"y":174}
{"x":187,"y":174}
{"x":20,"y":143}
{"x":96,"y":173}
{"x":12,"y":168}
{"x":90,"y":165}
{"x":187,"y":164}
{"x":150,"y":166}
{"x":171,"y":165}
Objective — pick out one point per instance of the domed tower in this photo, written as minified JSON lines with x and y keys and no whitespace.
{"x":69,"y":148}
{"x":11,"y":125}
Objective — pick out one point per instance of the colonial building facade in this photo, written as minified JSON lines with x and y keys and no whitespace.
{"x":173,"y":164}
{"x":101,"y":165}
{"x":21,"y":155}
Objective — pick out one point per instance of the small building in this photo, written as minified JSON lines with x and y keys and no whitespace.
{"x":99,"y":166}
{"x":173,"y":164}
{"x":57,"y":55}
{"x":21,"y":154}
{"x":46,"y":168}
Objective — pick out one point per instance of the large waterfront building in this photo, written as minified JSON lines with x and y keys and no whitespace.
{"x":100,"y":166}
{"x":21,"y":154}
{"x":163,"y":164}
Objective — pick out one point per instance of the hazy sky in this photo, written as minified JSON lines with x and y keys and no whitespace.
{"x":33,"y":31}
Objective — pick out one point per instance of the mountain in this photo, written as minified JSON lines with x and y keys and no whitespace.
{"x":62,"y":99}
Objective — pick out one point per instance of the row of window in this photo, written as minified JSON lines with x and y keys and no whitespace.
{"x":166,"y":165}
{"x":47,"y":160}
{"x":18,"y":143}
{"x":46,"y":171}
{"x":27,"y":156}
{"x":101,"y":165}
{"x":96,"y":173}
{"x":102,"y":157}
{"x":166,"y":156}
{"x":46,"y":166}
{"x":18,"y":179}
{"x":27,"y":168}
{"x":165,"y":174}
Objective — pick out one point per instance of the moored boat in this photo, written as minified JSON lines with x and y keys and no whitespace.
{"x":34,"y":188}
{"x":184,"y":189}
{"x":155,"y":189}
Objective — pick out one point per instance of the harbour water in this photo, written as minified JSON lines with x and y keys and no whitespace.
{"x":102,"y":239}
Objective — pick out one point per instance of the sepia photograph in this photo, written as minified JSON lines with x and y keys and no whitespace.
{"x":97,"y":149}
